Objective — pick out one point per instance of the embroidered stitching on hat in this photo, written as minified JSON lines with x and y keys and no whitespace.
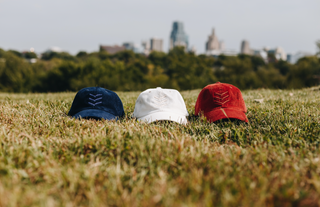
{"x":94,"y":99}
{"x":95,"y":95}
{"x":219,"y":98}
{"x":161,"y":100}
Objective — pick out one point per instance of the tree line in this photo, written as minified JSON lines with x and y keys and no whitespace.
{"x":127,"y":71}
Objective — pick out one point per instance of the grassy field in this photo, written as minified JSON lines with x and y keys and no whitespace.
{"x":49,"y":159}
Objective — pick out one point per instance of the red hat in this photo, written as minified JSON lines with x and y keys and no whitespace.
{"x":221,"y":101}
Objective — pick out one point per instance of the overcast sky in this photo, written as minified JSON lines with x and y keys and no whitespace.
{"x":75,"y":25}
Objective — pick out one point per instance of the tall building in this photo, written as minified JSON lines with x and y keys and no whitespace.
{"x":279,"y":53}
{"x":215,"y":48}
{"x":156,"y":44}
{"x":128,"y":45}
{"x":245,"y":48}
{"x":222,"y":46}
{"x":213,"y":42}
{"x":178,"y":36}
{"x":146,"y":47}
{"x":132,"y":46}
{"x":261,"y":53}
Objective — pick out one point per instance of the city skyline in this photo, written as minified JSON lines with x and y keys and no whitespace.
{"x":79,"y":25}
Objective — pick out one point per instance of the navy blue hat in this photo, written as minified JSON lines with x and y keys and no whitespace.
{"x":96,"y":103}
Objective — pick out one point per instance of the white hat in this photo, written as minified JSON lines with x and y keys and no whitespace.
{"x":160,"y":104}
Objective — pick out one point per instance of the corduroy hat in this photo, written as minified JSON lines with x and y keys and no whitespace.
{"x":221,"y":101}
{"x":160,"y":104}
{"x":96,"y":103}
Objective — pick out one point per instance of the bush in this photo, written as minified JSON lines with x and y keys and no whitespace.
{"x":127,"y":71}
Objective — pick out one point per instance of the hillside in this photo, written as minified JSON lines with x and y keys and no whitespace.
{"x":49,"y":159}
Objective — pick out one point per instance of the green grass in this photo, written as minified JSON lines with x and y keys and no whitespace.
{"x":49,"y":159}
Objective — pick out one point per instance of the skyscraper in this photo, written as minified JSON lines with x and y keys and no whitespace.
{"x":178,"y":36}
{"x":213,"y":42}
{"x":145,"y":47}
{"x":245,"y":48}
{"x":132,"y":46}
{"x":222,"y":46}
{"x":279,"y":53}
{"x":156,"y":44}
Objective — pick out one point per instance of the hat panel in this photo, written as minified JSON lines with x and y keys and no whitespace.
{"x":199,"y":103}
{"x":208,"y":100}
{"x":146,"y":103}
{"x":237,"y":99}
{"x":79,"y":102}
{"x":205,"y":100}
{"x":111,"y":102}
{"x":159,"y":100}
{"x":233,"y":100}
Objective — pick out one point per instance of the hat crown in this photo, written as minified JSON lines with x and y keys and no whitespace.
{"x":220,"y":96}
{"x":97,"y":98}
{"x":157,"y":100}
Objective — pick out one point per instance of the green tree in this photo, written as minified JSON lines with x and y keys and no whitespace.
{"x":158,"y":58}
{"x":305,"y":73}
{"x":18,"y":54}
{"x":58,"y":55}
{"x":60,"y":78}
{"x":283,"y":67}
{"x":15,"y":74}
{"x":81,"y":54}
{"x":30,"y":55}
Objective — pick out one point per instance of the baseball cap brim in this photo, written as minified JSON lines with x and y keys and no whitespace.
{"x":164,"y":116}
{"x":226,"y":113}
{"x":95,"y":114}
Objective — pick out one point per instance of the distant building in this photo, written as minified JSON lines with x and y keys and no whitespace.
{"x":145,"y":47}
{"x":216,"y":48}
{"x":132,"y":46}
{"x":213,"y":42}
{"x":294,"y":58}
{"x":260,"y":53}
{"x":216,"y":53}
{"x":279,"y":53}
{"x":128,"y":45}
{"x":53,"y":49}
{"x":222,"y":46}
{"x":245,"y":48}
{"x":263,"y":53}
{"x":112,"y":49}
{"x":178,"y":36}
{"x":289,"y":58}
{"x":156,"y":44}
{"x":193,"y":50}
